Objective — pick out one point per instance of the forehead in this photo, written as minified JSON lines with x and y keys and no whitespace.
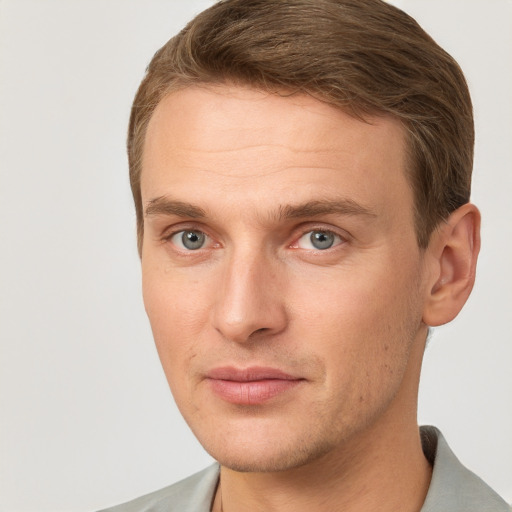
{"x":241,"y":139}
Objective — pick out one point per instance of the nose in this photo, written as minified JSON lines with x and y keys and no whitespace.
{"x":250,"y":298}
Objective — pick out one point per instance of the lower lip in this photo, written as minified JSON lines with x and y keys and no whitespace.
{"x":253,"y":392}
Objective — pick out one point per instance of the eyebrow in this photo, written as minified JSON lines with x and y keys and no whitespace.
{"x":165,"y":206}
{"x":326,"y":207}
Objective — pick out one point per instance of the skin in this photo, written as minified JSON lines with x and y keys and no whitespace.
{"x":257,"y":174}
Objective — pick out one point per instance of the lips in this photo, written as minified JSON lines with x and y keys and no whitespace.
{"x":250,"y":386}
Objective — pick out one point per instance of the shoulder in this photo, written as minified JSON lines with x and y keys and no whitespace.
{"x":454,"y":487}
{"x":193,"y":494}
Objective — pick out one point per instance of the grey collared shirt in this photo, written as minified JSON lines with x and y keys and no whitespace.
{"x":453,"y":487}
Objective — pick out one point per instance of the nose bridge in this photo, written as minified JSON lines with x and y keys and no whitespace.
{"x":249,"y":298}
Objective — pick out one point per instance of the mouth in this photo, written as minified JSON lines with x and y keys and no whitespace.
{"x":250,"y":386}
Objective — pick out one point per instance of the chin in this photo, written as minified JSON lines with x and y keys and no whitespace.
{"x":251,"y":456}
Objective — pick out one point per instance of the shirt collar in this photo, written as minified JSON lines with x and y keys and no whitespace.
{"x":453,"y":487}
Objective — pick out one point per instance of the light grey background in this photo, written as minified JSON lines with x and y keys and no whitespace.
{"x":86,"y":417}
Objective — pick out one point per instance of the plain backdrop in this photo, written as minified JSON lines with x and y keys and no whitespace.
{"x":86,"y":418}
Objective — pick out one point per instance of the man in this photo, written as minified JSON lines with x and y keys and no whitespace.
{"x":301,"y":174}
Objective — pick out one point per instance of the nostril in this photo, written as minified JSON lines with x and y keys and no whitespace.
{"x":259,"y":331}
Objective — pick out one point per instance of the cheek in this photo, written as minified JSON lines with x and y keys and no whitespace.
{"x":352,"y":299}
{"x":177,"y":312}
{"x":362,"y":323}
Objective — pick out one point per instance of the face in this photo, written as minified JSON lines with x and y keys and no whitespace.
{"x":281,"y":273}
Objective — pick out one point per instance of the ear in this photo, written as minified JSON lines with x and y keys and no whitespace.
{"x":452,"y":254}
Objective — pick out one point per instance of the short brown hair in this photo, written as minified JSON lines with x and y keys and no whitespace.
{"x":363,"y":56}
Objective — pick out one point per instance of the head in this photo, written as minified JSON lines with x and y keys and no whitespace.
{"x":301,"y":175}
{"x":364,"y":57}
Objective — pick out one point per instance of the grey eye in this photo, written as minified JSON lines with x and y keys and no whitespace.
{"x":189,"y":240}
{"x":318,"y":240}
{"x":322,"y":239}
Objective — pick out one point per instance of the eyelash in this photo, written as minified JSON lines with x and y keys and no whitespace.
{"x":339,"y":239}
{"x":171,"y":236}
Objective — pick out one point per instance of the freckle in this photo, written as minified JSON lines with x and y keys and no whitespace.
{"x":361,"y":398}
{"x":389,"y":369}
{"x":386,"y":347}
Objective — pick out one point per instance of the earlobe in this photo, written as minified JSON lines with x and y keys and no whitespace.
{"x":453,"y":251}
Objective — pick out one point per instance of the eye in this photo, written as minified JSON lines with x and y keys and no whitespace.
{"x":318,"y":240}
{"x":189,"y":240}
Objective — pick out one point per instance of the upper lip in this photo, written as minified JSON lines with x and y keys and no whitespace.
{"x":253,"y":373}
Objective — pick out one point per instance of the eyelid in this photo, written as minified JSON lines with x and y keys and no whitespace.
{"x":301,"y":231}
{"x":342,"y":236}
{"x":170,"y":232}
{"x":177,"y":240}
